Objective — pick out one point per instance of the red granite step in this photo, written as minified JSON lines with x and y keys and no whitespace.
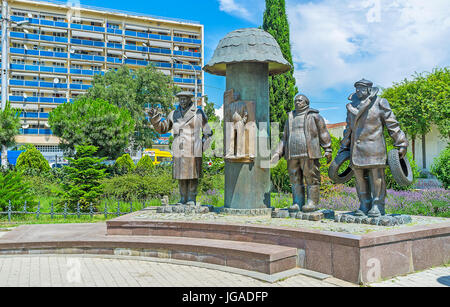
{"x":92,"y":239}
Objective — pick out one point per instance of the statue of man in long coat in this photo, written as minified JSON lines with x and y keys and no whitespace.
{"x":367,"y":115}
{"x":192,"y":136}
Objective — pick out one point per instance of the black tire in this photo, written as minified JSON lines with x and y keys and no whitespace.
{"x":400,"y":168}
{"x":333,"y":171}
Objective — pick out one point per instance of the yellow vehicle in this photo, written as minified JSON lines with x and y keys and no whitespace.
{"x":159,"y":156}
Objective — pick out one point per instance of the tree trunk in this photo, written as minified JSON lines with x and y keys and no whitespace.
{"x":414,"y":148}
{"x":4,"y":157}
{"x":424,"y":153}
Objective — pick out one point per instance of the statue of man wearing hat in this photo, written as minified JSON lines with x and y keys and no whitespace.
{"x":305,"y":132}
{"x":192,"y":136}
{"x":367,"y":115}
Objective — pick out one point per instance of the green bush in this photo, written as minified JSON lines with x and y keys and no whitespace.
{"x":280,"y":177}
{"x":124,"y":165}
{"x":441,"y":167}
{"x":212,"y":182}
{"x":43,"y":186}
{"x":13,"y":188}
{"x":144,"y":166}
{"x":131,"y":187}
{"x":32,"y":162}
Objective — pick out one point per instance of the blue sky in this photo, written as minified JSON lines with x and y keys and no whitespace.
{"x":334,"y":42}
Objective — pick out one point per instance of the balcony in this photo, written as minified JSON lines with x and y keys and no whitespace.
{"x":87,"y":57}
{"x":187,"y":40}
{"x":36,"y":131}
{"x":38,"y":53}
{"x":50,"y":69}
{"x":186,"y":80}
{"x":37,"y":99}
{"x":34,"y":115}
{"x":85,"y":42}
{"x":187,"y":53}
{"x":187,"y":67}
{"x":47,"y":38}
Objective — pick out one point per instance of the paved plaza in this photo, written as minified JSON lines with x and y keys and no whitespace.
{"x":86,"y":271}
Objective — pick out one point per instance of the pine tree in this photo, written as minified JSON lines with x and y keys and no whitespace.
{"x":282,"y":87}
{"x":84,"y":173}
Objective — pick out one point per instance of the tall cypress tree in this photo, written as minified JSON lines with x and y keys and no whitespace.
{"x":282,"y":87}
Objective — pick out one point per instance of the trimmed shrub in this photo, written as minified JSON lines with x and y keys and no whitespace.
{"x":124,"y":165}
{"x":32,"y":162}
{"x":441,"y":167}
{"x":145,"y":165}
{"x":131,"y":187}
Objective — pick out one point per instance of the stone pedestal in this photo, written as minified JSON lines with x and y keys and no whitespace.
{"x":247,"y":184}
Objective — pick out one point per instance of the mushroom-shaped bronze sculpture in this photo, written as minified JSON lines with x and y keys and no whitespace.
{"x":247,"y":57}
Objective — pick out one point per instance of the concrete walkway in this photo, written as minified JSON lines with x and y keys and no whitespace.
{"x":73,"y":271}
{"x":93,"y":271}
{"x":435,"y":277}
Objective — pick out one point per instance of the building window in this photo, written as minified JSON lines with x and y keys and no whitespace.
{"x":17,"y":45}
{"x":18,"y":61}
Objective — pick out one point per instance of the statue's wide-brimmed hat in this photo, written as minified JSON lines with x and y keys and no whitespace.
{"x":185,"y":94}
{"x":247,"y":45}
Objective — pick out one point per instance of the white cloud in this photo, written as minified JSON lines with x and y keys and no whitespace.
{"x":337,"y":42}
{"x":219,"y":112}
{"x":250,"y":10}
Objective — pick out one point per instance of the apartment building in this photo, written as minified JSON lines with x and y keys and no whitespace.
{"x":54,"y":56}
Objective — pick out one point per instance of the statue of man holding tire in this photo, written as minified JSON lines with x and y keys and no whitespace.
{"x":367,"y":115}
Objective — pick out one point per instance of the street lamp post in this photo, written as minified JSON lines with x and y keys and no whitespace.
{"x":5,"y":67}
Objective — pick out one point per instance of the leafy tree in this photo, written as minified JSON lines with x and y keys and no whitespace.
{"x":441,"y":167}
{"x":32,"y":162}
{"x":124,"y":165}
{"x":132,"y":90}
{"x":9,"y":128}
{"x":210,"y":111}
{"x":145,"y":165}
{"x":84,"y":174}
{"x":422,"y":102}
{"x":282,"y":88}
{"x":13,"y":189}
{"x":95,"y":122}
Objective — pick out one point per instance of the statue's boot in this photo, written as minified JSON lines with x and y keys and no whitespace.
{"x":192,"y":192}
{"x":298,"y":195}
{"x":183,"y":186}
{"x":365,"y":204}
{"x":313,"y":193}
{"x":377,"y":209}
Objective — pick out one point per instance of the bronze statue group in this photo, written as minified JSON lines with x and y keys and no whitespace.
{"x":305,"y":133}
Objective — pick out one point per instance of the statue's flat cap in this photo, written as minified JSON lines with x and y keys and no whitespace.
{"x":364,"y":82}
{"x":185,"y":94}
{"x":251,"y":45}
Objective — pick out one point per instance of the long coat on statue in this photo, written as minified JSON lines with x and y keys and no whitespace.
{"x":364,"y":136}
{"x":192,"y":136}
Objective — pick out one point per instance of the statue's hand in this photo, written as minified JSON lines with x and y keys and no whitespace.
{"x":152,"y":112}
{"x":341,"y":150}
{"x":402,"y":152}
{"x":275,"y":159}
{"x":329,"y":157}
